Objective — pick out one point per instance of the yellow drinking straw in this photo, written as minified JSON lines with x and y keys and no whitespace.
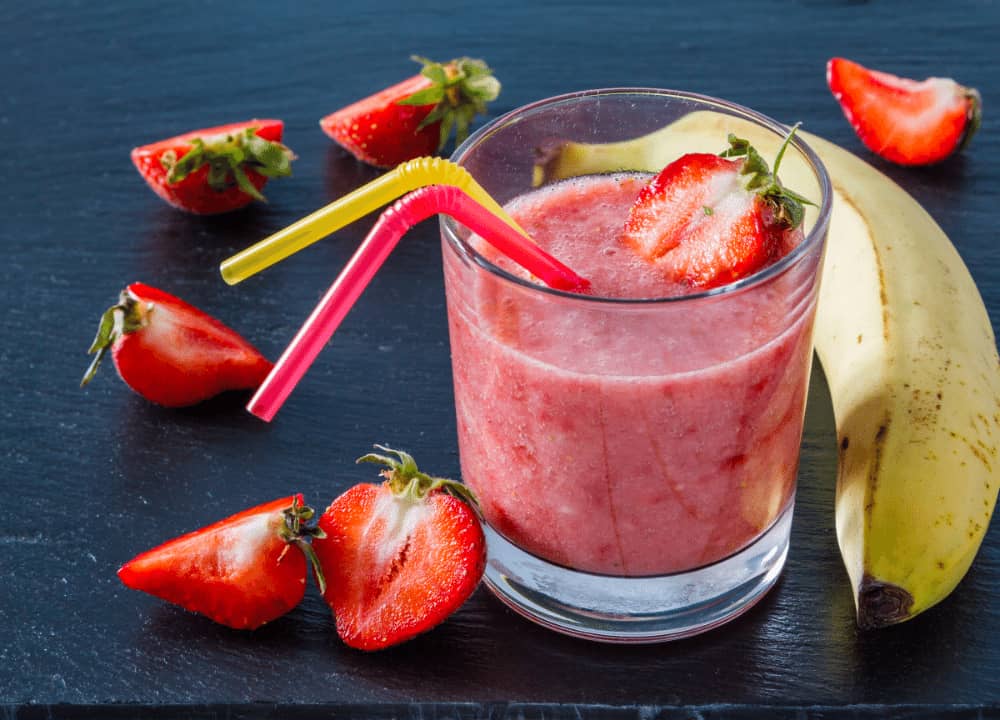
{"x":381,"y":191}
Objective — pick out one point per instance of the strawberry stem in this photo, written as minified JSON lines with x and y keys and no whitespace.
{"x":295,"y":531}
{"x":787,"y":204}
{"x":407,"y":481}
{"x":784,"y":146}
{"x":125,"y":317}
{"x":974,"y":115}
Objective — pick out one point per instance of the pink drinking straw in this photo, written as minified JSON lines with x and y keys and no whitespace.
{"x":354,"y":278}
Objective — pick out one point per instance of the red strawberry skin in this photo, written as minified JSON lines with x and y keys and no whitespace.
{"x":179,"y":355}
{"x":239,"y":571}
{"x":396,"y":567}
{"x":193,"y":193}
{"x":904,"y":121}
{"x":699,"y":225}
{"x":379,"y":131}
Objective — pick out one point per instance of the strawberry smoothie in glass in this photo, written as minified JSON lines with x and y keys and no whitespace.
{"x":634,"y":450}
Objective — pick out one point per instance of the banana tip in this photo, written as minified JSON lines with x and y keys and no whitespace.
{"x":881,"y":604}
{"x":548,"y":156}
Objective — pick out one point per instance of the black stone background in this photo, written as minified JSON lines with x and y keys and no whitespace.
{"x":90,"y":477}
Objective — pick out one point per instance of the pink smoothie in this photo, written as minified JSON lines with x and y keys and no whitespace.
{"x":618,"y":437}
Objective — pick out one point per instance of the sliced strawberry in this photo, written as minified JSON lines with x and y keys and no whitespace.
{"x":706,"y":220}
{"x":399,"y":557}
{"x":414,"y":117}
{"x":905,"y":121}
{"x":171,"y":352}
{"x":240,"y":571}
{"x":217,"y":169}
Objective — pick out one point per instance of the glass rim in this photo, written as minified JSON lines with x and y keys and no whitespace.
{"x":813,"y":238}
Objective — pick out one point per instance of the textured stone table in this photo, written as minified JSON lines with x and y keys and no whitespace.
{"x":90,"y":477}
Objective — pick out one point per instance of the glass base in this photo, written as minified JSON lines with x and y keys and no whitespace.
{"x":636,"y":609}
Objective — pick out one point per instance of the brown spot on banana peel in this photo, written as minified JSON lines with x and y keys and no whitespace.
{"x":881,"y":604}
{"x":873,"y":473}
{"x":979,"y":450}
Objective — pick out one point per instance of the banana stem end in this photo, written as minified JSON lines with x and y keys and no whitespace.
{"x":881,"y":604}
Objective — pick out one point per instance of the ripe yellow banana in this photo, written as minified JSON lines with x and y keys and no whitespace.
{"x":910,"y":356}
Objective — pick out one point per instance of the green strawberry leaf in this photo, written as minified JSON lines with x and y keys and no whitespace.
{"x":406,"y":480}
{"x":483,"y":87}
{"x":428,"y":96}
{"x":787,"y":204}
{"x":459,"y":91}
{"x":228,"y":157}
{"x":218,"y":174}
{"x":245,"y":185}
{"x":297,"y":529}
{"x":447,"y":122}
{"x":434,"y":72}
{"x":438,"y":113}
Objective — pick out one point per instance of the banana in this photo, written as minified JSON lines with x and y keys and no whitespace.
{"x":910,"y":356}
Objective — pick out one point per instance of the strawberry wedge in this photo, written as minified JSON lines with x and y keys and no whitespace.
{"x":905,"y":121}
{"x":707,"y":220}
{"x":399,"y":557}
{"x":416,"y":116}
{"x":217,"y":169}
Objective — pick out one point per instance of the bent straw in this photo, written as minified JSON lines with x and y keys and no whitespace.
{"x":368,"y":198}
{"x":360,"y":269}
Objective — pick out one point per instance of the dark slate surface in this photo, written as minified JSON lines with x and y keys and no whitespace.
{"x":88,"y":478}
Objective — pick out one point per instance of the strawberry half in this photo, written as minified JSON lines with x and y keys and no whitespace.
{"x":414,"y":117}
{"x":399,"y":557}
{"x":171,"y":352}
{"x":905,"y":121}
{"x":217,"y":169}
{"x":240,"y":572}
{"x":706,"y":220}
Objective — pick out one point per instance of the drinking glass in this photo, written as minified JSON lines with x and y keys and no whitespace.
{"x":635,"y":459}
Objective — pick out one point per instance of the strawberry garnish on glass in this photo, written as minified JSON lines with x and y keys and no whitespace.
{"x":415,"y":117}
{"x":401,"y":556}
{"x":172,"y":353}
{"x":243,"y":571}
{"x":707,"y":220}
{"x":216,"y":169}
{"x":905,"y":121}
